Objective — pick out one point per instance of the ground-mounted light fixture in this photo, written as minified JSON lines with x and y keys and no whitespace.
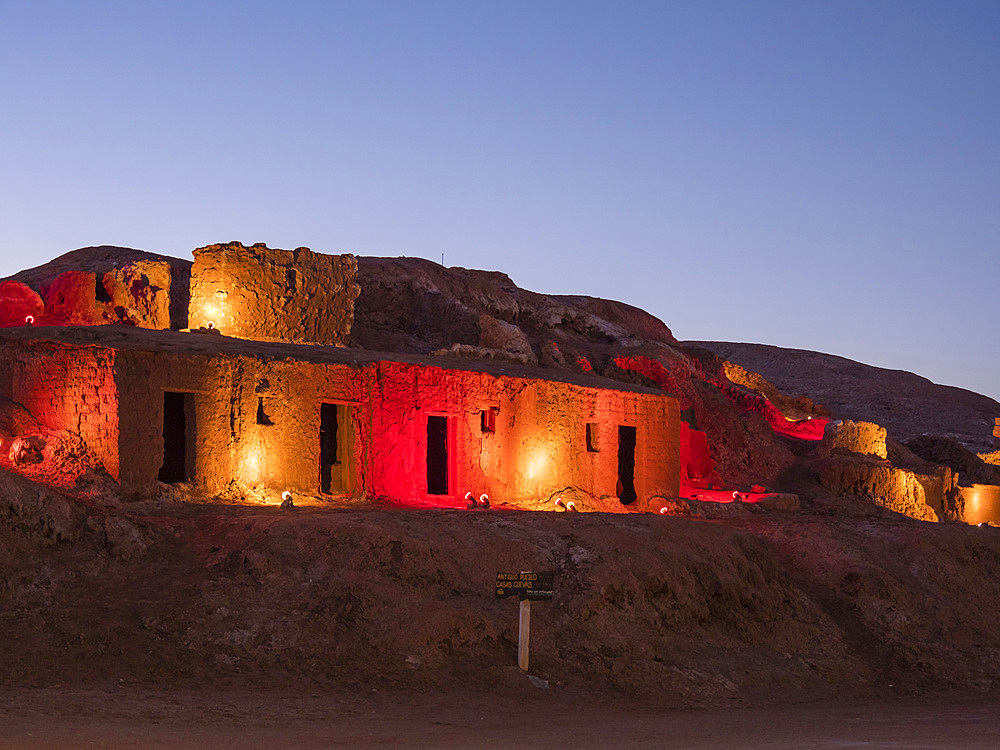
{"x":568,"y":506}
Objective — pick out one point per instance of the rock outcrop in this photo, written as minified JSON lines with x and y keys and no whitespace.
{"x":99,"y":286}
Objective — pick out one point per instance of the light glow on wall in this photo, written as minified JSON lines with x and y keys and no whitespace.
{"x":537,"y":465}
{"x":213,"y":313}
{"x":251,"y":466}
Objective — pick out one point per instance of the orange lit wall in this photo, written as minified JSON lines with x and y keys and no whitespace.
{"x":232,"y":446}
{"x":982,"y":503}
{"x":265,"y":294}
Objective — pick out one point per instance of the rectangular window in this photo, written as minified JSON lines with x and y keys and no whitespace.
{"x":488,"y":420}
{"x":592,"y":446}
{"x":626,"y":464}
{"x":437,"y":455}
{"x":178,"y":438}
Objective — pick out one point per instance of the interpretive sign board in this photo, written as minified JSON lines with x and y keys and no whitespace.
{"x":524,"y":585}
{"x":528,"y":587}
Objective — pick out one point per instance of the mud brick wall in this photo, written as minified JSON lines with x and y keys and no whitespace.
{"x":267,"y":294}
{"x":862,"y":438}
{"x":981,"y":503}
{"x":695,"y":458}
{"x":255,"y":422}
{"x":66,"y":388}
{"x":538,"y":445}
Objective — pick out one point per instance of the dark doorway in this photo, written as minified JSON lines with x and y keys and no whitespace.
{"x":437,"y":455}
{"x":178,"y":438}
{"x":626,"y":464}
{"x":330,"y":465}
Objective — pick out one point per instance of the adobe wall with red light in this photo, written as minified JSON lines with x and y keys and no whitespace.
{"x":696,"y":467}
{"x":66,"y":388}
{"x":245,"y":423}
{"x":535,"y":446}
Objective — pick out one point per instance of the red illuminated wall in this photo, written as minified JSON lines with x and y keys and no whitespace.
{"x":697,"y":469}
{"x":67,"y":388}
{"x":808,"y":429}
{"x":539,"y":445}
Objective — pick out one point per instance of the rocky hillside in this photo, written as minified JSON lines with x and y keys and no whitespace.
{"x":905,"y":404}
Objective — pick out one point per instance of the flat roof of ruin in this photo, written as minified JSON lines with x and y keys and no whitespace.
{"x":205,"y":344}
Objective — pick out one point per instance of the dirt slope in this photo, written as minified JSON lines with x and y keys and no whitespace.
{"x":670,"y":611}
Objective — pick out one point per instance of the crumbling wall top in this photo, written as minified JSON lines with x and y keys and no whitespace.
{"x":268,"y":294}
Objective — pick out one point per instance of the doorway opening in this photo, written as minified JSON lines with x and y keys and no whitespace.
{"x":626,"y":464}
{"x":333,"y":448}
{"x":437,"y":455}
{"x":178,"y":438}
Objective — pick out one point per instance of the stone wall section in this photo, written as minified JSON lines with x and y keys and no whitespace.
{"x":898,"y":490}
{"x":18,"y":302}
{"x":268,"y":294}
{"x":66,"y":388}
{"x":981,"y":503}
{"x":861,"y":438}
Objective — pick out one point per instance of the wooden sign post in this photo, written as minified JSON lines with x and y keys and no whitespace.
{"x":527,"y":587}
{"x":523,"y":633}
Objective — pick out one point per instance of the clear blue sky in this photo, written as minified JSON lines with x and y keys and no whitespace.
{"x":822,"y":175}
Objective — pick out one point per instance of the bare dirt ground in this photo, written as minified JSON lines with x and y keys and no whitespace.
{"x":141,"y":719}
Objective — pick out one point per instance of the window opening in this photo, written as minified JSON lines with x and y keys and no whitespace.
{"x":488,"y":420}
{"x":437,"y":455}
{"x":100,"y":293}
{"x":626,"y":464}
{"x":592,"y":437}
{"x":178,"y":438}
{"x":262,"y":417}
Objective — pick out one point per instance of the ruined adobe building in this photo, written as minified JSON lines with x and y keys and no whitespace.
{"x":251,"y":389}
{"x":490,"y":389}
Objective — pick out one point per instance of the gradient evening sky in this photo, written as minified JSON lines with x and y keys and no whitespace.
{"x":820,"y":175}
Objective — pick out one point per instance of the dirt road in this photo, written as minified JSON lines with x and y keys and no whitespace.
{"x":129,"y":719}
